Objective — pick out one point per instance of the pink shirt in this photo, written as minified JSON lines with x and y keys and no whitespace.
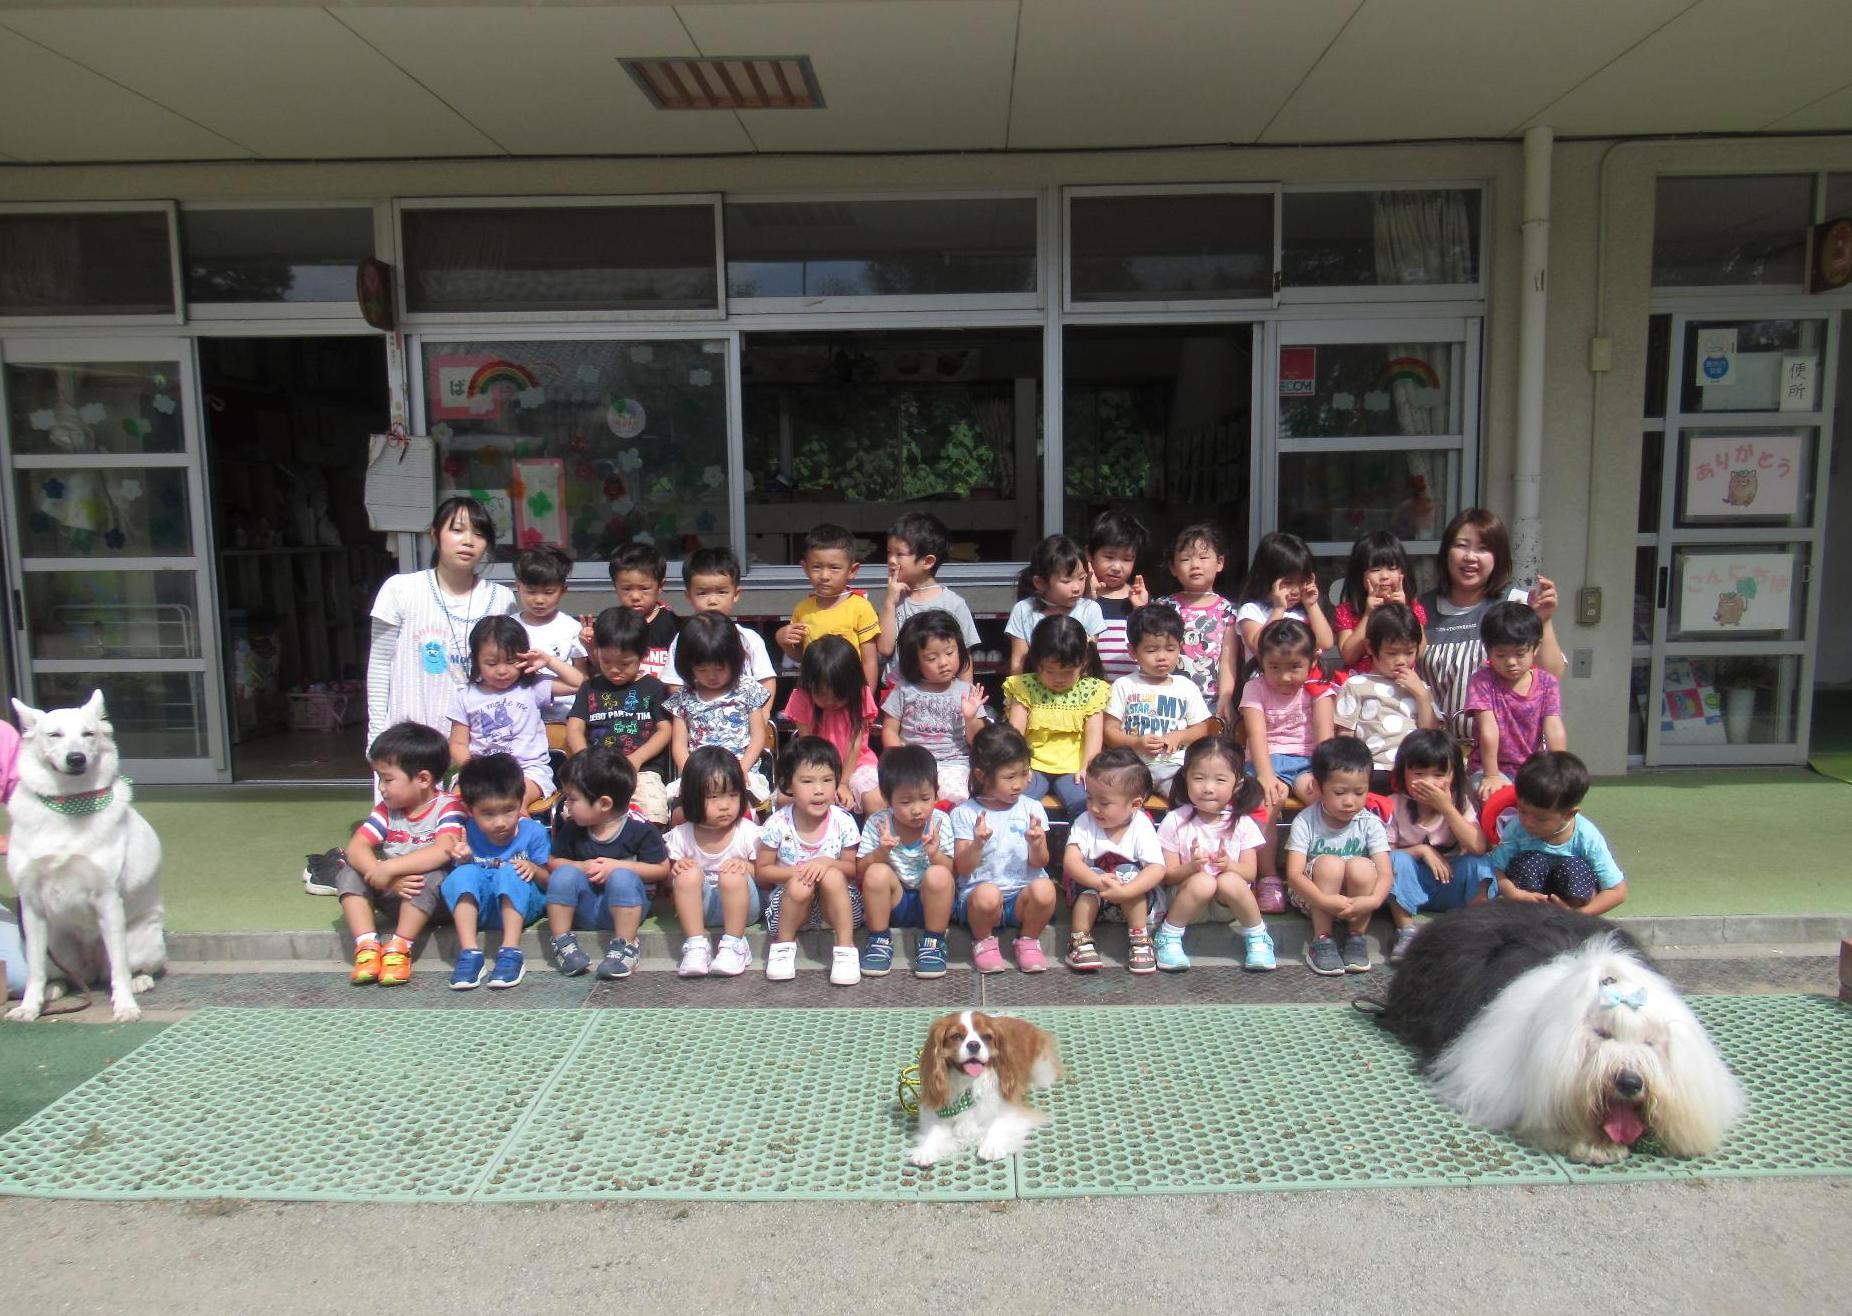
{"x":1519,"y":718}
{"x":1407,"y":830}
{"x":1183,"y":832}
{"x":1349,"y":619}
{"x":1289,"y":717}
{"x":833,"y":726}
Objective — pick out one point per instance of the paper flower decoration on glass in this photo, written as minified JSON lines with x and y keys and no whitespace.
{"x":114,"y":538}
{"x":539,"y":503}
{"x":530,"y":538}
{"x":54,"y":488}
{"x":517,"y":487}
{"x":644,"y":537}
{"x":713,"y":477}
{"x":93,"y":413}
{"x":629,"y":461}
{"x":165,"y":404}
{"x":453,"y":466}
{"x":442,"y":432}
{"x":529,"y":398}
{"x":42,"y":418}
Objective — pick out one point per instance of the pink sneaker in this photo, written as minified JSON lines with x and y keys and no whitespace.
{"x":987,"y":957}
{"x":1029,"y":957}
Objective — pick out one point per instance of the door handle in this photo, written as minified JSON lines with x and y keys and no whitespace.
{"x":1664,"y":587}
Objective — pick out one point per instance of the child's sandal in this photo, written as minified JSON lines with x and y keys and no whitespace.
{"x":1140,"y":957}
{"x":1082,"y":956}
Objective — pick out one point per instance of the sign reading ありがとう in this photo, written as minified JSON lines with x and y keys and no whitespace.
{"x":1735,"y":592}
{"x":1744,"y":476}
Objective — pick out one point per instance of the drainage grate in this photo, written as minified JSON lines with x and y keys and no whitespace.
{"x":302,"y":1104}
{"x":735,"y":1104}
{"x":503,"y":1105}
{"x":1207,"y":1099}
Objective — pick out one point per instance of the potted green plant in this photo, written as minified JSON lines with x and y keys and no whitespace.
{"x":1741,"y":681}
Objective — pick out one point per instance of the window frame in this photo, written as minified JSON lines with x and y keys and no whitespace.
{"x":1069,"y":306}
{"x":411,"y":320}
{"x":1375,"y":294}
{"x":593,"y":574}
{"x":344,"y":313}
{"x":176,"y":283}
{"x":883,"y":303}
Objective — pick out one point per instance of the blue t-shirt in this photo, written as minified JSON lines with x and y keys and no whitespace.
{"x":1005,"y":861}
{"x":530,"y":842}
{"x":636,"y":840}
{"x":1586,"y":843}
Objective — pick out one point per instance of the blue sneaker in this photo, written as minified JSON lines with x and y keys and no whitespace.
{"x":467,"y":976}
{"x":929,"y":956}
{"x":572,"y":960}
{"x":619,"y":960}
{"x":878,"y":955}
{"x":1259,"y":957}
{"x":510,"y":968}
{"x":1169,"y":947}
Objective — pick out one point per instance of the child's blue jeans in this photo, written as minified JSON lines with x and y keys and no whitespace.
{"x":1413,"y":886}
{"x":488,"y":887}
{"x":592,"y":906}
{"x":1072,"y":794}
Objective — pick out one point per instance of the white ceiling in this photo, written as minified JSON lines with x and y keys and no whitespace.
{"x":287,"y":79}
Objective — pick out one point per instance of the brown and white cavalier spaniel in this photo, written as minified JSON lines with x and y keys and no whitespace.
{"x":975,"y":1070}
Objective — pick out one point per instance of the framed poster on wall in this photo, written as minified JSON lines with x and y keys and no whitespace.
{"x":1728,"y":592}
{"x":1743,"y":477}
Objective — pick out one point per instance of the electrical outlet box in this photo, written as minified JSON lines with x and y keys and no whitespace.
{"x":1600,"y":355}
{"x":1588,"y":606}
{"x":1582,"y":664}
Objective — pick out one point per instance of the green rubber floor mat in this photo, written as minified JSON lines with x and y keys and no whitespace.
{"x":742,"y":1104}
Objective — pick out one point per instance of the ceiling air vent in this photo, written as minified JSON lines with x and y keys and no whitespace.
{"x":728,"y":82}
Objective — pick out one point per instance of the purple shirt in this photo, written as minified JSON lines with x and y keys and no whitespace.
{"x":505,"y":721}
{"x":1519,"y":718}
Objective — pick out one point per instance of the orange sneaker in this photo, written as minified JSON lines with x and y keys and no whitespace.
{"x":396,"y":965}
{"x":366,"y":963}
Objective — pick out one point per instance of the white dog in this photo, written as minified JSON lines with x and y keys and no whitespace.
{"x":83,"y":862}
{"x":1556,"y":1027}
{"x":974,"y":1071}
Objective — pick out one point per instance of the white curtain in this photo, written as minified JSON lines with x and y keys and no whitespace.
{"x":1423,"y":237}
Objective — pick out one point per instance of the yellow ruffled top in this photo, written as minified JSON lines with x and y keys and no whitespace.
{"x":1057,"y":722}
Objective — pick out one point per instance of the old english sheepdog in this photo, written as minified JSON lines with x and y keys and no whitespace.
{"x":1555,"y":1027}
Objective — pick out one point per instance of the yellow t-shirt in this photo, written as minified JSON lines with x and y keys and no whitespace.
{"x":851,"y":617}
{"x":1057,"y":726}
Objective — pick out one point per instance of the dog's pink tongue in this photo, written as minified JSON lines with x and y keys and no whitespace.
{"x":1623,"y":1125}
{"x":972,"y":1068}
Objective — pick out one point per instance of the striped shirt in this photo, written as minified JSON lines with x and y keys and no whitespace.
{"x":398,"y":833}
{"x":1114,"y":644}
{"x":1454,"y":653}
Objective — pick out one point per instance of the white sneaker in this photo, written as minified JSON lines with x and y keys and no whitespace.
{"x":697,"y":958}
{"x":781,"y":962}
{"x":845,"y":967}
{"x":733,"y":958}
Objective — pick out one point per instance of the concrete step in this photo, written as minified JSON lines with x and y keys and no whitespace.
{"x":1210,"y":941}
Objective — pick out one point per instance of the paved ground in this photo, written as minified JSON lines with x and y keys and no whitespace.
{"x":1767,"y":1246}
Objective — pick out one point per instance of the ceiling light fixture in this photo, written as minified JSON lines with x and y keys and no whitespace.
{"x":728,"y":82}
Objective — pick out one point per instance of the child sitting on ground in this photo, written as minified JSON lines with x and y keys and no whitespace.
{"x":1113,"y":862}
{"x":833,"y":702}
{"x":916,"y":547}
{"x":502,"y":709}
{"x":807,"y":857}
{"x":718,"y":703}
{"x":622,"y":707}
{"x":1155,"y":712}
{"x":1115,"y":541}
{"x":931,"y":705}
{"x":1284,"y":720}
{"x":712,"y":857}
{"x":1554,"y":854}
{"x":711,"y":580}
{"x":1439,"y":859}
{"x":1054,"y":584}
{"x":830,"y":565}
{"x":1060,"y":712}
{"x":1337,"y":858}
{"x":1516,"y":706}
{"x":1383,"y":703}
{"x":397,"y":857}
{"x":1210,"y":843}
{"x":540,"y":577}
{"x":501,"y":871}
{"x":637,"y":573}
{"x":905,"y":863}
{"x":1000,"y":853}
{"x":604,"y":861}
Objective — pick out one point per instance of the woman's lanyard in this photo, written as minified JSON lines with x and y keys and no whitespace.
{"x":450,"y":622}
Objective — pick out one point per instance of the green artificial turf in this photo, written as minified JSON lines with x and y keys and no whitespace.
{"x":42,"y":1061}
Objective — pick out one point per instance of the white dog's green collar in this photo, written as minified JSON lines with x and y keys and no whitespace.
{"x":83,"y":803}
